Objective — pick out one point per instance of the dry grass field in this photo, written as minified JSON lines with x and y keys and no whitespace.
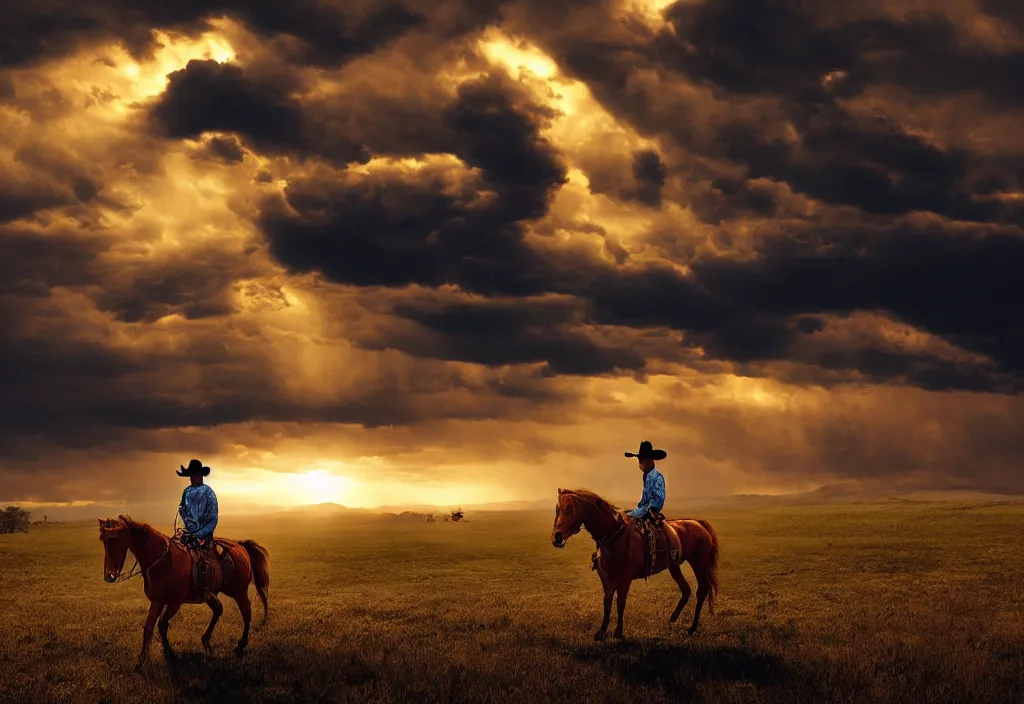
{"x":860,"y":603}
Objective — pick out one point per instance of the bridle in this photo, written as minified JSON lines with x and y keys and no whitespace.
{"x":608,"y":539}
{"x":118,"y":578}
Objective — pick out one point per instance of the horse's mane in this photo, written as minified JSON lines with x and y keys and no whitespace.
{"x":596,"y":499}
{"x":138,"y":527}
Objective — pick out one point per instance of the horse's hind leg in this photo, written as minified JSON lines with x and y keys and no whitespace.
{"x":620,"y":603}
{"x":218,"y":608}
{"x":703,"y":588}
{"x":246,"y":608}
{"x":684,"y":587}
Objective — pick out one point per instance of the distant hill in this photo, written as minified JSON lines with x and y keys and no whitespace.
{"x":162,"y":515}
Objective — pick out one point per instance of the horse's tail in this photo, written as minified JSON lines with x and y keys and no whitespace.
{"x":260,"y":571}
{"x":712,"y":566}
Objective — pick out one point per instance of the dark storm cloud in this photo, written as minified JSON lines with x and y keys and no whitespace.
{"x":498,"y":333}
{"x":226,"y":149}
{"x":954,"y":286}
{"x":726,"y":198}
{"x":64,"y":386}
{"x":196,"y":286}
{"x":1009,"y":10}
{"x":17,"y":201}
{"x":43,"y":177}
{"x":318,"y":33}
{"x":498,"y":132}
{"x":959,"y":286}
{"x":649,"y":175}
{"x":395,"y":230}
{"x":789,"y":48}
{"x":207,"y":96}
{"x":804,"y":56}
{"x":32,"y":263}
{"x":875,"y":167}
{"x":423,"y":230}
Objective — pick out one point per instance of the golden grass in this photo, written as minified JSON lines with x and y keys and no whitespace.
{"x":894,"y":603}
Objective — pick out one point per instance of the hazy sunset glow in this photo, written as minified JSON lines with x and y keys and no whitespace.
{"x":450,"y":255}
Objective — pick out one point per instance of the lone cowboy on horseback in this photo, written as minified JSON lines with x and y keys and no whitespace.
{"x":198,"y":509}
{"x":648,"y":509}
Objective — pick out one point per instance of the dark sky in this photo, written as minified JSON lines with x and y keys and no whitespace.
{"x":474,"y":250}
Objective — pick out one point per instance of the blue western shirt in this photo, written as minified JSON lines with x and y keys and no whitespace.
{"x":198,"y":510}
{"x":653,"y":495}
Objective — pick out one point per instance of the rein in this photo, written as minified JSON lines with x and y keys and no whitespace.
{"x":601,"y":543}
{"x":131,"y":573}
{"x":145,"y":573}
{"x":604,"y":542}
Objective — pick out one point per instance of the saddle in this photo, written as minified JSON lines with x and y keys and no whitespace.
{"x":212,"y":568}
{"x":659,"y":537}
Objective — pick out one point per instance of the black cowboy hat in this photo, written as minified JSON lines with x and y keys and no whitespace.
{"x":194,"y":467}
{"x":647,"y":452}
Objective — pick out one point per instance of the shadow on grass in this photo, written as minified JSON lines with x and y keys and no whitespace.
{"x":676,"y":663}
{"x":292,"y":675}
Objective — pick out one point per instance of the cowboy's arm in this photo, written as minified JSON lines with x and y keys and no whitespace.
{"x":207,"y":513}
{"x":657,"y":493}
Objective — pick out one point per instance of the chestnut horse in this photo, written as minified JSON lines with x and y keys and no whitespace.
{"x":621,"y":552}
{"x":166,"y":569}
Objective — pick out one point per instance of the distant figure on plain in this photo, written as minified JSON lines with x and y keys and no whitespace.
{"x":199,"y":511}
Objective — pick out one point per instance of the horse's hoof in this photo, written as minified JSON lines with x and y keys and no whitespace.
{"x":239,"y":652}
{"x":600,"y":635}
{"x":618,"y":636}
{"x":691,"y":630}
{"x":138,"y":667}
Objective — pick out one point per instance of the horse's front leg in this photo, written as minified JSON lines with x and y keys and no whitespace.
{"x":165,"y":622}
{"x":155,"y":608}
{"x":609,"y":590}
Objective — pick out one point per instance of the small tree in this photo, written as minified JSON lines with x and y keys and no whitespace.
{"x":457,"y":515}
{"x":13,"y":519}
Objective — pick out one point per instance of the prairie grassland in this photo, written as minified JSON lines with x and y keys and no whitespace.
{"x":888,"y":603}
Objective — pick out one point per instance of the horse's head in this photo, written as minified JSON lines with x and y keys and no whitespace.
{"x":115,"y":535}
{"x":568,"y":518}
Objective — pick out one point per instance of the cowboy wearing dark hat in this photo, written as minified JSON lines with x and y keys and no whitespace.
{"x":653,"y":497}
{"x":199,"y":512}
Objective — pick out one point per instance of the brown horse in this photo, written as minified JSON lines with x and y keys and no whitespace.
{"x":166,"y":569}
{"x":621,"y":552}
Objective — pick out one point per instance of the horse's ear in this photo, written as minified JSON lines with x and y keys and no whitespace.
{"x":561,"y":491}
